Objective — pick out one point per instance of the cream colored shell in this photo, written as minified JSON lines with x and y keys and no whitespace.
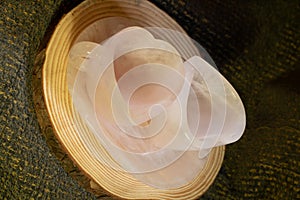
{"x":63,"y":116}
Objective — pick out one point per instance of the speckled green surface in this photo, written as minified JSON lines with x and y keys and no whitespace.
{"x":256,"y":45}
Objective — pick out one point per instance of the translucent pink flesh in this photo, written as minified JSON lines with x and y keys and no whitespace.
{"x":156,"y":159}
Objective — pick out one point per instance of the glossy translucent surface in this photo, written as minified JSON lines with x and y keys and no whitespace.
{"x":156,"y":109}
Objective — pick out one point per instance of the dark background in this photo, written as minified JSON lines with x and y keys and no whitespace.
{"x":256,"y":46}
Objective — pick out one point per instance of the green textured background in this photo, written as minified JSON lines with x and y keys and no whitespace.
{"x":256,"y":45}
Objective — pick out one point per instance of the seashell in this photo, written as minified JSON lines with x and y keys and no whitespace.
{"x":107,"y":127}
{"x":117,"y":108}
